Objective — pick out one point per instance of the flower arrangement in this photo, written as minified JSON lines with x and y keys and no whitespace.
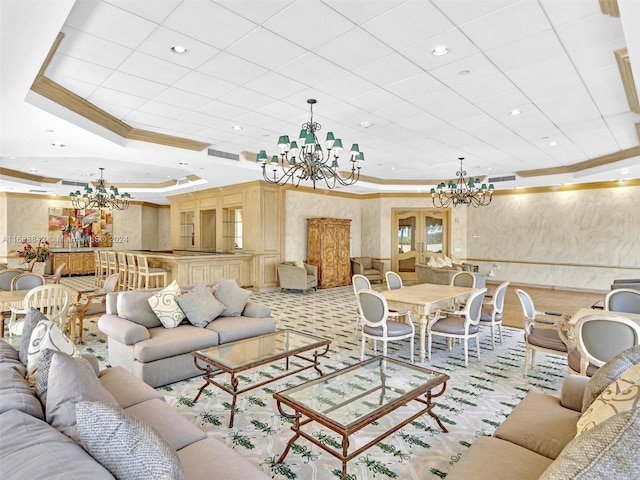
{"x":41,"y":252}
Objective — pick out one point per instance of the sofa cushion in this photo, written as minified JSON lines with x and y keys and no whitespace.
{"x":70,"y":383}
{"x":234,"y":297}
{"x":609,"y":373}
{"x":257,"y":310}
{"x":45,"y":335}
{"x":540,"y":424}
{"x":125,"y":388}
{"x":620,"y":396}
{"x":134,"y":306}
{"x":38,"y":452}
{"x":230,"y":329}
{"x":15,"y":392}
{"x":494,"y":459}
{"x":124,"y":445}
{"x":609,"y":450}
{"x":168,"y":343}
{"x":31,"y":319}
{"x":8,"y":353}
{"x":164,"y":305}
{"x":200,"y":305}
{"x":166,"y":420}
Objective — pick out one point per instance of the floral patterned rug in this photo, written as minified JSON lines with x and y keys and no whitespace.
{"x":476,"y":401}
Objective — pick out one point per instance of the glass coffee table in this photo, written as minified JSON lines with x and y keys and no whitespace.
{"x":348,"y":400}
{"x":236,"y":357}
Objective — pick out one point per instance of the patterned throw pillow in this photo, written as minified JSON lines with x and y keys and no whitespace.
{"x":609,"y":373}
{"x":620,"y":396}
{"x":45,"y":335}
{"x":124,"y":445}
{"x":299,"y":263}
{"x":165,"y":307}
{"x":433,"y":262}
{"x":234,"y":297}
{"x":609,"y":450}
{"x":200,"y":306}
{"x":31,"y":320}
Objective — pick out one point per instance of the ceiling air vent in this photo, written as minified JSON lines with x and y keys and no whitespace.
{"x":182,"y":181}
{"x":38,"y":191}
{"x":506,"y":178}
{"x":74,"y":184}
{"x":217,"y":153}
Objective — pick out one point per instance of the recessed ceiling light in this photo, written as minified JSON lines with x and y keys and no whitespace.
{"x":553,"y":144}
{"x":624,"y":171}
{"x":236,"y":127}
{"x":33,"y":170}
{"x":515,"y":112}
{"x":184,"y":163}
{"x":365,"y":124}
{"x":179,"y":49}
{"x":394,"y":168}
{"x":464,"y":72}
{"x":440,"y":50}
{"x":58,"y":145}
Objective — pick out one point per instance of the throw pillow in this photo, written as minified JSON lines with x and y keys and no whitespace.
{"x":165,"y":307}
{"x":299,"y":263}
{"x":609,"y":373}
{"x":611,"y":446}
{"x":234,"y":297}
{"x":447,"y":261}
{"x":42,"y":376}
{"x":433,"y":262}
{"x":440,"y":261}
{"x":46,"y":334}
{"x":70,"y":383}
{"x":200,"y":305}
{"x":620,"y":396}
{"x":30,"y":321}
{"x":124,"y":445}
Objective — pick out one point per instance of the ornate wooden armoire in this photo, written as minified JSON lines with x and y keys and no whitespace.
{"x":328,"y":249}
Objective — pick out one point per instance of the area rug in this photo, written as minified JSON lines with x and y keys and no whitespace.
{"x":476,"y":401}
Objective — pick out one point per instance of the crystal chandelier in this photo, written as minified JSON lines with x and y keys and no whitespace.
{"x":101,"y":197}
{"x":305,"y":159}
{"x":462,"y":192}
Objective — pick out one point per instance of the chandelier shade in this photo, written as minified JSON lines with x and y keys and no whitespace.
{"x":101,"y":197}
{"x":305,"y":159}
{"x":462,"y":192}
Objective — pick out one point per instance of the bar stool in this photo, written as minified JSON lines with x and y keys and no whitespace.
{"x":104,"y":266}
{"x":122,"y":271}
{"x":112,"y":263}
{"x":97,"y":267}
{"x":146,"y":273}
{"x":132,"y":271}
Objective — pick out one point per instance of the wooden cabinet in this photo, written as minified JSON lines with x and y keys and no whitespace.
{"x":328,"y":249}
{"x":77,"y":263}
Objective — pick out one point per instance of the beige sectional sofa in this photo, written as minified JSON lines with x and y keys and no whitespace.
{"x":138,"y":341}
{"x":539,"y":440}
{"x":32,"y":448}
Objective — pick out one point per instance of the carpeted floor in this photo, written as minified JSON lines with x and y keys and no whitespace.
{"x":476,"y":401}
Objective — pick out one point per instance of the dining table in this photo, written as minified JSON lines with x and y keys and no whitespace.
{"x":423,"y":300}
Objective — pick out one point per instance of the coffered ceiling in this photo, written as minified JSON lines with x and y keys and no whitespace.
{"x":111,"y":90}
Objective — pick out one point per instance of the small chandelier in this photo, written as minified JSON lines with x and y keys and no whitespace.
{"x":101,"y":197}
{"x":462,"y":192}
{"x":308,"y":161}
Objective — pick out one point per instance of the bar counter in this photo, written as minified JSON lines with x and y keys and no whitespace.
{"x":189,"y":267}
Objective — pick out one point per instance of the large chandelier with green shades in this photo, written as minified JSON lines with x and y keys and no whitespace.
{"x":101,"y":197}
{"x":462,"y":192}
{"x":305,"y":160}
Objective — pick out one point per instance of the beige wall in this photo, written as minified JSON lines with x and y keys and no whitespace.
{"x":136,"y":228}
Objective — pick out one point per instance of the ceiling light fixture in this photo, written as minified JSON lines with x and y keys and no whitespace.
{"x":365,"y":124}
{"x":311,"y":164}
{"x":236,"y":127}
{"x":624,"y":171}
{"x":101,"y":197}
{"x":179,"y":49}
{"x":553,"y":144}
{"x":462,"y":192}
{"x":440,"y":50}
{"x":58,"y":145}
{"x":515,"y":112}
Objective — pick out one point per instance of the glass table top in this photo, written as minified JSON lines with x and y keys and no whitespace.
{"x":362,"y":391}
{"x":260,"y":349}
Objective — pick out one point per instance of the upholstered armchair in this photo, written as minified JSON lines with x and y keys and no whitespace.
{"x":370,"y":268}
{"x":297,"y":278}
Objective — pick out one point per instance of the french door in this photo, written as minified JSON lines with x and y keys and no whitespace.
{"x":415,"y":232}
